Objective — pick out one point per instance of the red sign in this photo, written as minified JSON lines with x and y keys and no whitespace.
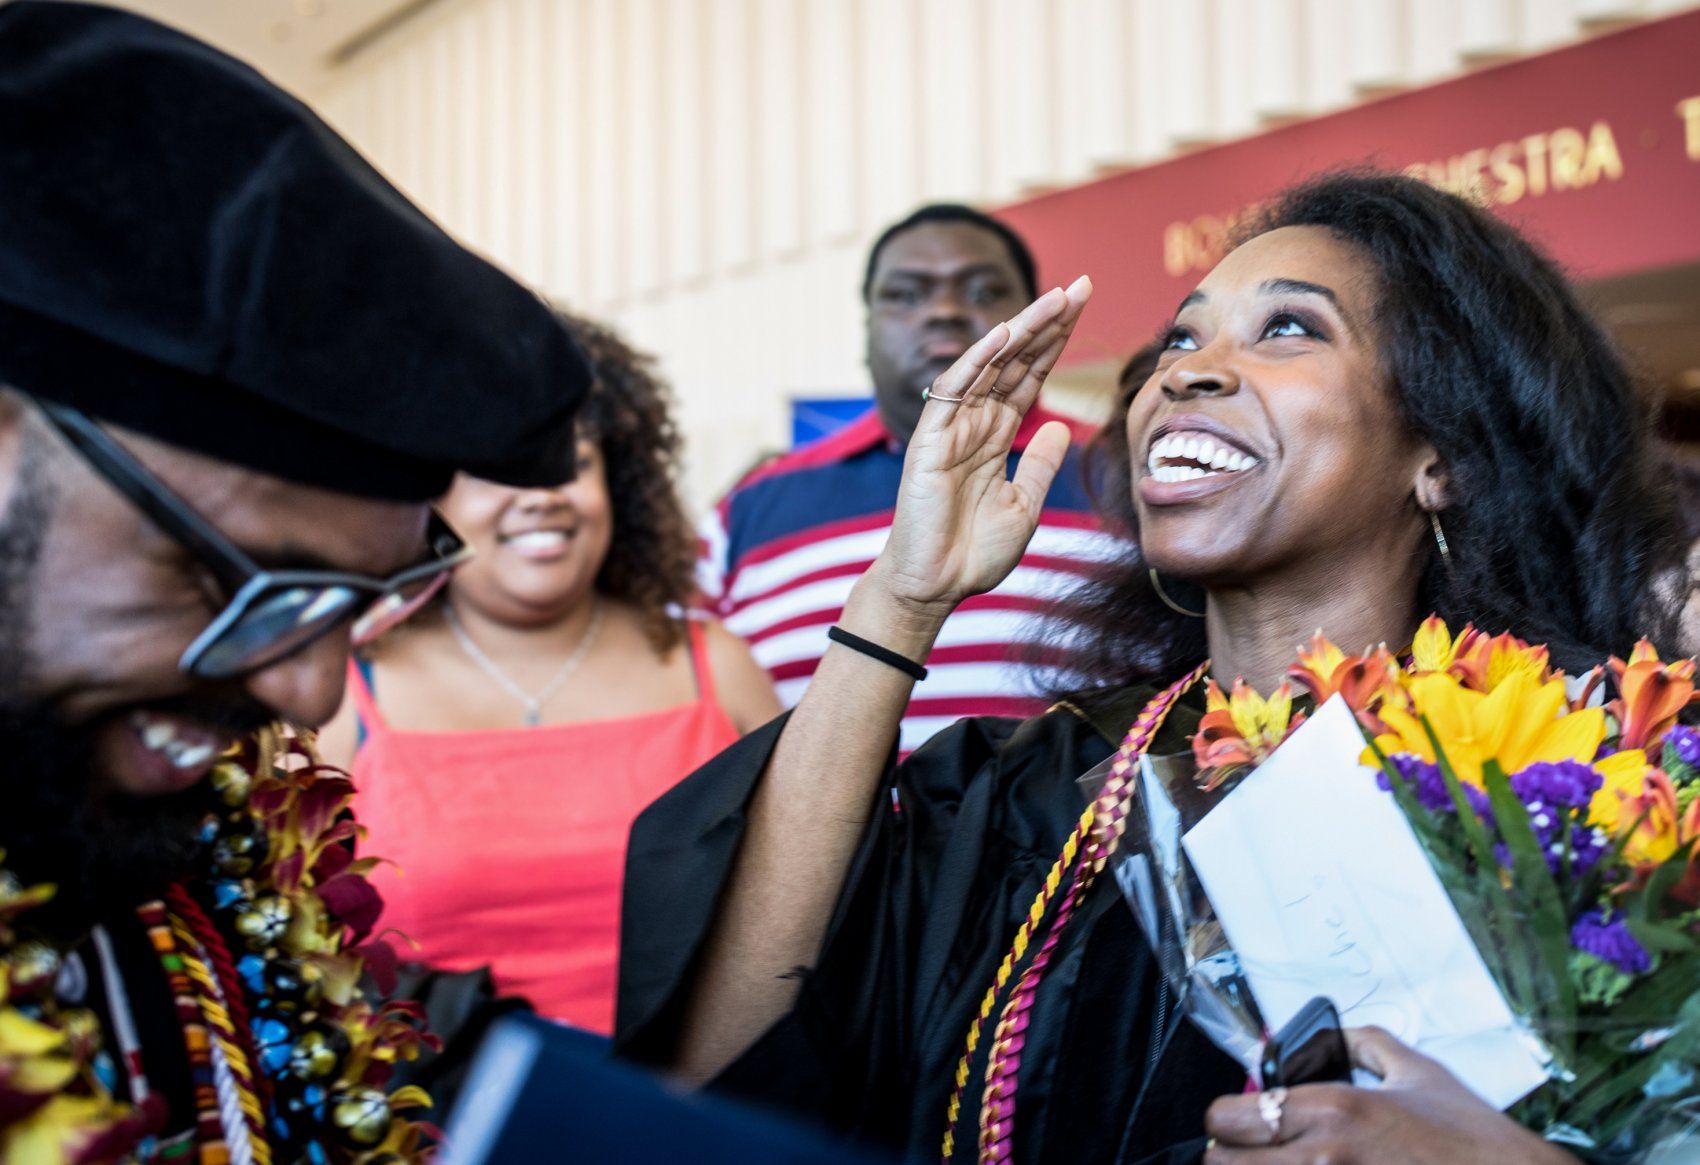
{"x":1593,"y":150}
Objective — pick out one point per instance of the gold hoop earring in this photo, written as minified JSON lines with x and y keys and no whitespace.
{"x":1440,"y":538}
{"x":1157,"y":585}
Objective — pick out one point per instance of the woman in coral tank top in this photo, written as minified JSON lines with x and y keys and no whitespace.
{"x":503,"y":740}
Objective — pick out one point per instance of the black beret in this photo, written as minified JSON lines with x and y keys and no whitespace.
{"x":187,"y":251}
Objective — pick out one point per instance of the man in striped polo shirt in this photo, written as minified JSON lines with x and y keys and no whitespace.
{"x":782,"y":549}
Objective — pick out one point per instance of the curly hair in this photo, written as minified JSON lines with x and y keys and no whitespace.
{"x":1560,"y":520}
{"x":651,"y":559}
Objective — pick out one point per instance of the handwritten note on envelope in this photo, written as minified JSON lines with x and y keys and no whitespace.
{"x":1324,"y":890}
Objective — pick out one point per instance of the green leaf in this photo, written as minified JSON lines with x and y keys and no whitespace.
{"x":1507,"y":954}
{"x":1657,"y":997}
{"x":1661,"y":938}
{"x":1597,"y":981}
{"x":1663,"y":879}
{"x":1533,"y":882}
{"x":1678,"y":770}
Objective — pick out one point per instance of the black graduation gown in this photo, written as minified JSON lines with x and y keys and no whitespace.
{"x":961,"y":838}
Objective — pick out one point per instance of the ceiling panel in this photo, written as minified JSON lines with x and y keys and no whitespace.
{"x":294,"y":42}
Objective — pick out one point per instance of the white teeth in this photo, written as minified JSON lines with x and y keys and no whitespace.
{"x":538,"y":540}
{"x":1209,"y":456}
{"x":161,"y":736}
{"x":189,"y":756}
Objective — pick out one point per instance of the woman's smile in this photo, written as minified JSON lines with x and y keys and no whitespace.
{"x":539,"y":545}
{"x":1193,"y":456}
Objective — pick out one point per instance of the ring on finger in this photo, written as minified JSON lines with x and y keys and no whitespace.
{"x":1269,"y":1105}
{"x":928,"y":394}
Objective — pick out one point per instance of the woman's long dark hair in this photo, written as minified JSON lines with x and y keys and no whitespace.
{"x":1561,"y":523}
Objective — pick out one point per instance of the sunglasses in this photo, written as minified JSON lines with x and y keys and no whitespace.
{"x":271,"y":614}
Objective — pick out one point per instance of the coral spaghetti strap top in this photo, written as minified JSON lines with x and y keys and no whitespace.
{"x":509,"y":845}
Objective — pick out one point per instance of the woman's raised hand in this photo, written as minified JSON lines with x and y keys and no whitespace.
{"x":961,"y":523}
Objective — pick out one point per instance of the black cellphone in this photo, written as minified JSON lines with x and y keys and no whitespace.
{"x":1309,"y":1049}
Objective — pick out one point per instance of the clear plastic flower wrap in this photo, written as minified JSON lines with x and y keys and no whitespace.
{"x":1562,"y":826}
{"x":1200,"y":966}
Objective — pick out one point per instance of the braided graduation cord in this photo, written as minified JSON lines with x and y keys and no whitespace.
{"x":1017,"y":950}
{"x":1102,"y":824}
{"x":1110,"y":807}
{"x":209,"y":1128}
{"x":236,"y":1137}
{"x":183,"y":906}
{"x":240,"y":1105}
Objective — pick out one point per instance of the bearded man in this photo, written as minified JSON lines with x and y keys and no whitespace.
{"x":235,"y":365}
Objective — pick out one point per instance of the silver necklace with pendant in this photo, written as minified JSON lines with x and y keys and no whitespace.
{"x":533,"y":702}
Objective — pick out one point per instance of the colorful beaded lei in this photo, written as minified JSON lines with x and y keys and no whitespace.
{"x":53,"y":1105}
{"x":263,"y":950}
{"x":1094,"y":840}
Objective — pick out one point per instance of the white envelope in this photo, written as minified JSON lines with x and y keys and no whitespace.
{"x":1323,"y":889}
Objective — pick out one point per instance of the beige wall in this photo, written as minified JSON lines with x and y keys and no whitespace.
{"x":706,"y":174}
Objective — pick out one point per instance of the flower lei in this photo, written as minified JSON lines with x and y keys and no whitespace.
{"x":265,"y":948}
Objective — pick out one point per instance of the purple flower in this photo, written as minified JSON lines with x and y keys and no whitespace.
{"x":1553,"y":793}
{"x":1426,"y":781}
{"x":1685,"y":742}
{"x":1587,"y":845}
{"x":1603,"y":934}
{"x":1561,"y":785}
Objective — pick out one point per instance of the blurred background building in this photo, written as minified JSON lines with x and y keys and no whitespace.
{"x":707,"y":174}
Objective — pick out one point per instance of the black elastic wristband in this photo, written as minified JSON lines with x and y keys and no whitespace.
{"x":874,"y":651}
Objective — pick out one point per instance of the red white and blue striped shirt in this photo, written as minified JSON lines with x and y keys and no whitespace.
{"x":783,"y":548}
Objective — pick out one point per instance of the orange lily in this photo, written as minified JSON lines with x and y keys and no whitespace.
{"x":1640,"y":799}
{"x":1637,"y":799}
{"x":1651,"y":693}
{"x":1318,"y":660}
{"x":1433,"y":649}
{"x":1688,"y":890}
{"x":1485,"y":662}
{"x":1242,"y":729}
{"x":1509,"y":656}
{"x":1470,"y":654}
{"x":1363,"y":680}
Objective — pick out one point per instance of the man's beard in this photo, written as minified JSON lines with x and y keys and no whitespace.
{"x":104,"y":850}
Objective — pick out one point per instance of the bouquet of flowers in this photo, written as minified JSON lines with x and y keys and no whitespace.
{"x":1560,"y":814}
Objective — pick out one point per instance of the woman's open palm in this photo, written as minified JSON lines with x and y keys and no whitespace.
{"x":961,"y":523}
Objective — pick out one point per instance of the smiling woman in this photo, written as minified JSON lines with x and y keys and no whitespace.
{"x":503,"y":739}
{"x":1539,"y":509}
{"x":1382,"y":403}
